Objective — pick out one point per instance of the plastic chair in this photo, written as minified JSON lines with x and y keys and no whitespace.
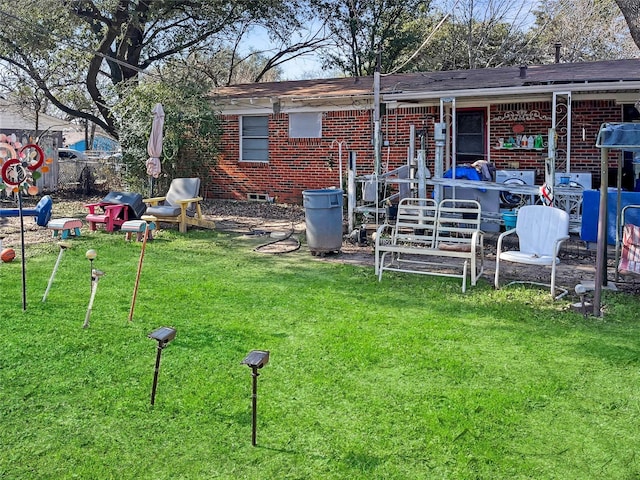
{"x":114,"y":210}
{"x":628,"y":260}
{"x":541,"y":230}
{"x":630,"y":255}
{"x":111,"y":215}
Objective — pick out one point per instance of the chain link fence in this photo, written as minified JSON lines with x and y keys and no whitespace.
{"x":91,"y":175}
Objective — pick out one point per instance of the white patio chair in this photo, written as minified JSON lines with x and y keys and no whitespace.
{"x":541,"y":230}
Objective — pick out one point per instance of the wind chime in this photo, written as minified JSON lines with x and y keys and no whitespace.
{"x":19,"y":166}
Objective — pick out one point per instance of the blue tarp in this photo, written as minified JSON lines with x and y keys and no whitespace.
{"x":591,"y":213}
{"x":464,"y":173}
{"x":468,"y":173}
{"x":622,"y":136}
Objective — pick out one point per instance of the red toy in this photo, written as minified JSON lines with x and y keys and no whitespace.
{"x":7,"y":255}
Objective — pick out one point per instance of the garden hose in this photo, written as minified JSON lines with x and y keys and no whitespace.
{"x":260,"y":248}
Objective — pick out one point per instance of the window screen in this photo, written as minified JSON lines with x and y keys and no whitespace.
{"x":470,"y":136}
{"x":254,"y":143}
{"x":305,"y":125}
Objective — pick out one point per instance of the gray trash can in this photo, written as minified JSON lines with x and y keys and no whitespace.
{"x":323,"y":218}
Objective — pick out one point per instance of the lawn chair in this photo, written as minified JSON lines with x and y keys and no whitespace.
{"x":109,"y":214}
{"x":181,"y":205}
{"x":114,"y":210}
{"x":541,"y":230}
{"x":630,"y":254}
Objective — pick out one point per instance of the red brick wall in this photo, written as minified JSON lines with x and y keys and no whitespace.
{"x":590,"y":115}
{"x":584,"y":155}
{"x":300,"y":164}
{"x":295,"y":164}
{"x":502,"y":124}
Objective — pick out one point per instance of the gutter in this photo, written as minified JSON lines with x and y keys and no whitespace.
{"x":519,"y":90}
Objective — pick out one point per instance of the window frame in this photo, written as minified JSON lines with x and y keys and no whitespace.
{"x":243,"y":148}
{"x":305,"y":125}
{"x":467,"y":112}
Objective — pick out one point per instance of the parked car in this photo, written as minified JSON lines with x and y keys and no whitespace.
{"x":71,"y":154}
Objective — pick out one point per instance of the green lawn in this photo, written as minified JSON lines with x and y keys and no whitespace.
{"x":403,"y":379}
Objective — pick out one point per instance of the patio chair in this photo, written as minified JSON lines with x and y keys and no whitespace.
{"x":541,"y":230}
{"x":110,"y":215}
{"x":114,"y":210}
{"x":181,"y":205}
{"x":630,"y":254}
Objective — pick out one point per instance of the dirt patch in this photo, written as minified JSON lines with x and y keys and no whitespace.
{"x":283,"y":227}
{"x":72,"y":207}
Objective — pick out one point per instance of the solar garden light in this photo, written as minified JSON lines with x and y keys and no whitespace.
{"x":91,"y":256}
{"x":163,"y":335}
{"x":581,"y":290}
{"x":255,"y":359}
{"x":95,"y":277}
{"x":63,"y":246}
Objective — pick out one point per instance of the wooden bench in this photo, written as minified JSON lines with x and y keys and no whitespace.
{"x":429,"y":239}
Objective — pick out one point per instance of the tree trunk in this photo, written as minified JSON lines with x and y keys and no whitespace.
{"x":631,"y":11}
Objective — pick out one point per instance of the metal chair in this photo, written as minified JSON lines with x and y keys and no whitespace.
{"x":541,"y":230}
{"x":629,"y":257}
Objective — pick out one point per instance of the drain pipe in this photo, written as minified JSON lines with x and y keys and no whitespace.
{"x":351,"y":189}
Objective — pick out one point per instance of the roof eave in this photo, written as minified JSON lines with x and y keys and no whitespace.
{"x":515,"y":90}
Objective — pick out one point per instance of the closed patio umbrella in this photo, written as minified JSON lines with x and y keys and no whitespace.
{"x":154,"y":146}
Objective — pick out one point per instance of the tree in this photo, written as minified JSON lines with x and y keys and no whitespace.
{"x":474,"y":34}
{"x":224,"y":67}
{"x":631,"y":11}
{"x":86,"y":48}
{"x":23,"y":94}
{"x":358,"y":28}
{"x":587,"y":30}
{"x":191,"y":126}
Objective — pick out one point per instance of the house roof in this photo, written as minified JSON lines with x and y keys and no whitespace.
{"x":612,"y":73}
{"x":553,"y":74}
{"x":13,"y":117}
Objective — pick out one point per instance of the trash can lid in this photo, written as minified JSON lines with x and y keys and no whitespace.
{"x":322,"y":191}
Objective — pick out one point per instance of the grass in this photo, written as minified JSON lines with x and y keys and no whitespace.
{"x":407,"y":378}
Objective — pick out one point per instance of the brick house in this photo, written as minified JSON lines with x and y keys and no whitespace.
{"x":282,"y":138}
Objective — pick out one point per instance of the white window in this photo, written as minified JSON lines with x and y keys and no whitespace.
{"x":305,"y":125}
{"x":254,"y":138}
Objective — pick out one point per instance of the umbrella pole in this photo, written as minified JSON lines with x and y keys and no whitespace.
{"x":601,"y":257}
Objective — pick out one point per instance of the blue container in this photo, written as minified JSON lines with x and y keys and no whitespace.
{"x":591,"y":213}
{"x":510,"y":219}
{"x":323,"y":219}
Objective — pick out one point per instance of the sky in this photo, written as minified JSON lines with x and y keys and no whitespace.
{"x":303,"y":68}
{"x":309,"y":66}
{"x":300,"y":68}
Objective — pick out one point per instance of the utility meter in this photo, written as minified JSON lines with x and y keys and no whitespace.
{"x":439,"y":131}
